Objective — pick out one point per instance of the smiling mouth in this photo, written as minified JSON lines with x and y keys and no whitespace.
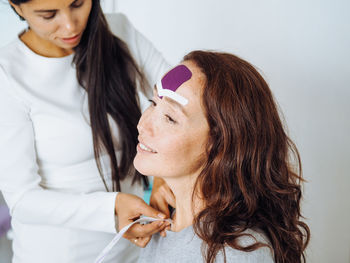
{"x":146,"y":148}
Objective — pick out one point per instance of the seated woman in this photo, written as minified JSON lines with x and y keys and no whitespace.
{"x":213,"y":133}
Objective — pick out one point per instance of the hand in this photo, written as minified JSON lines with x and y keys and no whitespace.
{"x":128,"y":208}
{"x":161,"y":197}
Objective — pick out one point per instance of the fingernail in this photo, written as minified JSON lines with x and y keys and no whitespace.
{"x":160,"y":215}
{"x":160,"y":223}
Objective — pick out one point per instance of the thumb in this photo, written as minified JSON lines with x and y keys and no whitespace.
{"x":170,"y":198}
{"x":147,"y":210}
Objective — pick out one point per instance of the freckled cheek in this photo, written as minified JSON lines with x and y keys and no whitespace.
{"x":177,"y":150}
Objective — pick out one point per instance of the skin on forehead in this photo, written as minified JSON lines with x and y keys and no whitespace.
{"x":50,"y":4}
{"x":172,"y":81}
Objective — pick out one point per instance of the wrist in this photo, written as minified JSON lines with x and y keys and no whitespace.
{"x":116,"y":203}
{"x":157,"y":181}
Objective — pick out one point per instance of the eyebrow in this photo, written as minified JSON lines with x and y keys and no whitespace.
{"x":172,"y":102}
{"x":45,"y":11}
{"x":51,"y":10}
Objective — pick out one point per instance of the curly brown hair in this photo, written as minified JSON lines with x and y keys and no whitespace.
{"x":248,"y":180}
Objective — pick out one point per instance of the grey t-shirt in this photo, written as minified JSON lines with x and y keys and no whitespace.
{"x":185,"y":246}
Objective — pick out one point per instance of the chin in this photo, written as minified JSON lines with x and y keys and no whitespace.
{"x":142,"y":166}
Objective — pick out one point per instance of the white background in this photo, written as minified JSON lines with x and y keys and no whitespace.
{"x":302,"y":48}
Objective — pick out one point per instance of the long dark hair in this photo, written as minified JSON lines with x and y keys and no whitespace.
{"x":106,"y":70}
{"x":248,"y":180}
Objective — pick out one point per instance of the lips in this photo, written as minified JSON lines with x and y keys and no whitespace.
{"x":71,"y":40}
{"x":145,"y":148}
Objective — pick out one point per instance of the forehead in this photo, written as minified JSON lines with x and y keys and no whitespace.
{"x":49,"y":4}
{"x":182,"y":75}
{"x":176,"y":77}
{"x":195,"y":85}
{"x":171,"y":81}
{"x":192,"y":89}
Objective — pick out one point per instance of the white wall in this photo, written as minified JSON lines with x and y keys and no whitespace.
{"x":302,"y":47}
{"x":10,"y":24}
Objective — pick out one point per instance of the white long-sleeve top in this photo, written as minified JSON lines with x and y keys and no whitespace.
{"x":48,"y":175}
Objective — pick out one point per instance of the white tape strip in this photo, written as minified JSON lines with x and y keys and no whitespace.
{"x":142,"y":220}
{"x":171,"y":94}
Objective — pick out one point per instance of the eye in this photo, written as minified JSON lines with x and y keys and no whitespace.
{"x":49,"y":16}
{"x":169,"y":119}
{"x":77,"y":4}
{"x":153,"y":103}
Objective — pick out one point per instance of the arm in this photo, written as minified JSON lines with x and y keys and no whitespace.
{"x":29,"y":203}
{"x":20,"y":181}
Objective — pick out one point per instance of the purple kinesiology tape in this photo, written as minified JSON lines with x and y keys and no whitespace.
{"x":172,"y":81}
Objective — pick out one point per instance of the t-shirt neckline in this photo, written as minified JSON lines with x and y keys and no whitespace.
{"x":29,"y":51}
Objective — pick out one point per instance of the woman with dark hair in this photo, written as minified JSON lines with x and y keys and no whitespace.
{"x":213,"y":133}
{"x":72,"y":89}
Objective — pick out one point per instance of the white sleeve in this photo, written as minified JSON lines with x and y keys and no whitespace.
{"x":149,"y":59}
{"x":29,"y":203}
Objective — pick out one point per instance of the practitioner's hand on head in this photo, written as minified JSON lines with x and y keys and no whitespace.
{"x":128,"y":208}
{"x":161,"y":197}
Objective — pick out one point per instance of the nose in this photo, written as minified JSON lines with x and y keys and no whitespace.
{"x":145,"y":125}
{"x":69,"y":22}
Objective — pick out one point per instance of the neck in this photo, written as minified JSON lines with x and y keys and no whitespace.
{"x":187,"y":204}
{"x":43,"y":47}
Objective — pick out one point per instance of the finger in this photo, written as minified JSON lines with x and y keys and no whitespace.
{"x":165,"y":228}
{"x":163,"y":207}
{"x":145,"y":209}
{"x":168,"y":195}
{"x":170,"y":198}
{"x":134,"y":240}
{"x":154,"y":204}
{"x":163,"y":233}
{"x":139,"y":230}
{"x":164,"y":192}
{"x":143,"y":241}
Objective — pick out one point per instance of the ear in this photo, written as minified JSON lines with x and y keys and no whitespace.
{"x":17,"y":9}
